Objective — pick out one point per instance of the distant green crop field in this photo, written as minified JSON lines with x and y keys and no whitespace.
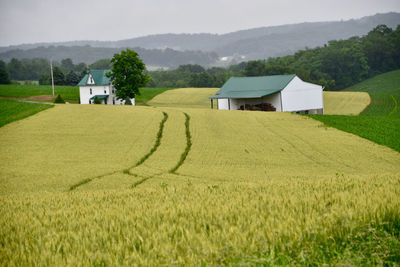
{"x":12,"y":110}
{"x":385,"y":93}
{"x":387,"y":84}
{"x":66,"y":92}
{"x":380,"y":121}
{"x":383,"y":130}
{"x":386,"y":105}
{"x":17,"y":90}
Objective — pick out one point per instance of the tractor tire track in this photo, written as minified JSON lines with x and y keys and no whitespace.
{"x":188,"y":144}
{"x":156,"y":144}
{"x":179,"y":163}
{"x":88,"y":180}
{"x":127,"y":170}
{"x":144,"y":179}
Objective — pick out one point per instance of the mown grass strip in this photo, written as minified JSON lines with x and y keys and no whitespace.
{"x":155,"y":146}
{"x":395,"y":105}
{"x":12,"y":110}
{"x":188,"y":144}
{"x":18,"y":90}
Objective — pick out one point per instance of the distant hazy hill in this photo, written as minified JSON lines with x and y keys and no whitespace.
{"x":264,"y":42}
{"x":256,"y":43}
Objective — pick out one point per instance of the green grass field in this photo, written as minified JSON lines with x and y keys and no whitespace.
{"x":380,"y":121}
{"x":69,"y":93}
{"x":12,"y":110}
{"x":385,"y":92}
{"x":386,"y":84}
{"x":25,"y":91}
{"x":251,"y":188}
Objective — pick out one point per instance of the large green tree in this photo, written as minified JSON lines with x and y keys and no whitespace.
{"x":128,"y":74}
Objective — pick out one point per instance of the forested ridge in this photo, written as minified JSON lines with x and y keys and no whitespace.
{"x":336,"y":65}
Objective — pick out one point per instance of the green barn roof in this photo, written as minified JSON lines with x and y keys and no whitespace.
{"x":253,"y":87}
{"x":99,"y":78}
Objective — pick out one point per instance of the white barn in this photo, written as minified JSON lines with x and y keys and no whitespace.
{"x":283,"y":92}
{"x":96,"y":84}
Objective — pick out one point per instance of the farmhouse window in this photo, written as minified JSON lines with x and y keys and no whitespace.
{"x":90,"y":90}
{"x":105,"y":91}
{"x":113,"y":101}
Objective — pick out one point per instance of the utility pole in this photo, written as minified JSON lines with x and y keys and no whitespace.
{"x":51,"y":71}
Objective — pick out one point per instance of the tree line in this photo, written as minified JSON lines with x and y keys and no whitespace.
{"x":64,"y":72}
{"x":336,"y":65}
{"x":167,"y":58}
{"x":194,"y":76}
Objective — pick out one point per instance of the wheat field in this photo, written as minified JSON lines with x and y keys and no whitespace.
{"x":335,"y":103}
{"x":184,"y":97}
{"x":56,"y":149}
{"x":345,"y":103}
{"x":113,"y":185}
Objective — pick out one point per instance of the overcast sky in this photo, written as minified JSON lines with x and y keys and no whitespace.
{"x":32,"y":21}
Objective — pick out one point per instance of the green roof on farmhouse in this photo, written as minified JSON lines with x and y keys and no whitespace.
{"x":99,"y":78}
{"x":253,"y":87}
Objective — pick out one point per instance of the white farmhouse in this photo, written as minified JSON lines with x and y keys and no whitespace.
{"x":282,"y":92}
{"x":96,"y":84}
